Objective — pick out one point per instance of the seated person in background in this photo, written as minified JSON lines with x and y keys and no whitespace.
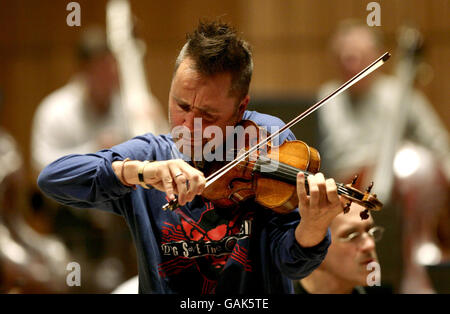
{"x":88,"y":113}
{"x":22,"y":249}
{"x":351,"y":264}
{"x":374,"y":125}
{"x":356,"y":126}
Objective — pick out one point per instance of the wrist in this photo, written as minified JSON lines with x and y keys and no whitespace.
{"x":141,"y":174}
{"x":127,"y":171}
{"x":309,"y":234}
{"x":130,"y":171}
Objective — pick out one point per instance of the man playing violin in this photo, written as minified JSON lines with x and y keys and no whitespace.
{"x":200,"y":248}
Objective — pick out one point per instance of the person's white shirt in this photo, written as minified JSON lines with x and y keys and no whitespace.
{"x":9,"y":155}
{"x":64,"y":124}
{"x":131,"y":286}
{"x":353,"y":132}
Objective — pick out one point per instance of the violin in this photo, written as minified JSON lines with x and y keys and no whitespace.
{"x":270,"y":177}
{"x":269,"y":174}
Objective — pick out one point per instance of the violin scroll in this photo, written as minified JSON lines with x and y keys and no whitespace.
{"x":365,"y":199}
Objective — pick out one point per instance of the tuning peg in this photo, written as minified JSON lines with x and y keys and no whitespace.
{"x":347,"y":207}
{"x":354,"y":180}
{"x":364,"y":214}
{"x":369,"y":188}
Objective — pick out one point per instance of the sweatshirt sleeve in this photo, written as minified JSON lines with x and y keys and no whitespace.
{"x":88,"y":181}
{"x":293,"y":260}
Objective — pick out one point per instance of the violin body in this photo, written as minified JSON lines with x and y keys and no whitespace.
{"x":249,"y":180}
{"x":294,"y":153}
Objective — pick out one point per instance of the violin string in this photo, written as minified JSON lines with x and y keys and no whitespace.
{"x":219,"y":173}
{"x":291,"y":172}
{"x":342,"y":190}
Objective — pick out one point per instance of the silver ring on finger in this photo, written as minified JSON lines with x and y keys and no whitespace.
{"x":178,"y":174}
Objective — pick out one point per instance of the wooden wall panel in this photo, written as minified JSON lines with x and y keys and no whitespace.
{"x":290,"y":41}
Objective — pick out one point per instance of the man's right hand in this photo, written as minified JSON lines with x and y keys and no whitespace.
{"x":170,"y":176}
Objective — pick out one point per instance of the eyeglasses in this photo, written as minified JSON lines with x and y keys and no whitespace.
{"x":376,"y":233}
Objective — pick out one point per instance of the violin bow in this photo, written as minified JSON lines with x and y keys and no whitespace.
{"x":222,"y":171}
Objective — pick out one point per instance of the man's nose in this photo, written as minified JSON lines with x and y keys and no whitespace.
{"x":189,"y":121}
{"x":367,"y":243}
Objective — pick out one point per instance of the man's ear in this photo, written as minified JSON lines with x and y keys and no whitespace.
{"x":242,"y":107}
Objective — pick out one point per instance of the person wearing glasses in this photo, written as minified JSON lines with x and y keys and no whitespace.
{"x":351,"y":263}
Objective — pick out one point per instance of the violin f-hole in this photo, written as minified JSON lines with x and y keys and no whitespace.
{"x":230,"y":185}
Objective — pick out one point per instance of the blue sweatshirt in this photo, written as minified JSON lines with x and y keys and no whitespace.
{"x":197,"y":248}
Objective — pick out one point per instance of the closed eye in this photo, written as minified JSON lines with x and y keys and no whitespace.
{"x":184,"y":107}
{"x":208,"y":117}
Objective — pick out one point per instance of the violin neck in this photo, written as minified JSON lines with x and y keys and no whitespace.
{"x":283,"y":172}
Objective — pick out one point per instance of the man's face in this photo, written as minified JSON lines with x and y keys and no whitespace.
{"x":355,"y":50}
{"x":103,"y":80}
{"x":195,"y":96}
{"x":348,"y":261}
